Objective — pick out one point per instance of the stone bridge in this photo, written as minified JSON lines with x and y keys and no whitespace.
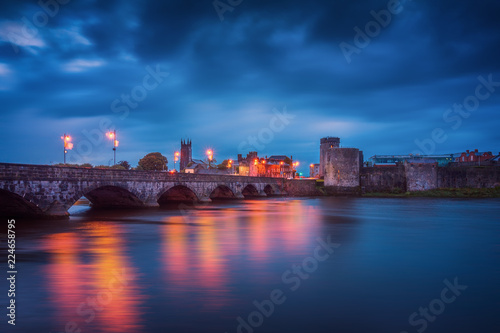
{"x":41,"y":190}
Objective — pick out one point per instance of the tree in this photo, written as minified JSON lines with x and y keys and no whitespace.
{"x":153,"y":161}
{"x":223,"y":165}
{"x":288,"y":160}
{"x":124,"y":164}
{"x":212,"y":162}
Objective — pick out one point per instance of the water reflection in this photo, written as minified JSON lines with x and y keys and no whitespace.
{"x":91,"y":282}
{"x":201,"y":273}
{"x":205,"y":255}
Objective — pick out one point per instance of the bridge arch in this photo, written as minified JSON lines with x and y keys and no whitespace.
{"x":14,"y":205}
{"x":222,"y":191}
{"x":177,"y":193}
{"x":269,"y":190}
{"x":110,"y":195}
{"x":250,"y":191}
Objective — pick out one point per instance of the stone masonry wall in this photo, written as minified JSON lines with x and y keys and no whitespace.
{"x":421,"y":176}
{"x":470,"y":176}
{"x":383,"y":179}
{"x":342,"y":168}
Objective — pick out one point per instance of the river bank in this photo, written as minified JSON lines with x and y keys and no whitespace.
{"x":442,"y":193}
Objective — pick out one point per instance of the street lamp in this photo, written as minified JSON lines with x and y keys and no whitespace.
{"x":230,"y":165}
{"x":67,"y":145}
{"x":176,"y":158}
{"x":295,"y":165}
{"x":112,"y":136}
{"x":210,"y":155}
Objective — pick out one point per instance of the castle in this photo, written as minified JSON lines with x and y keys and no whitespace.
{"x":343,"y":173}
{"x":340,"y":167}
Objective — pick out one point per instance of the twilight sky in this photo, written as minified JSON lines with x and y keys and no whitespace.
{"x":387,"y":77}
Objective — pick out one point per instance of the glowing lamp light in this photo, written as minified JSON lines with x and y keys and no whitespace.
{"x":312,"y":165}
{"x":116,"y":143}
{"x":110,"y":135}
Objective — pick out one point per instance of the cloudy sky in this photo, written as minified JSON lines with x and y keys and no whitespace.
{"x":387,"y":77}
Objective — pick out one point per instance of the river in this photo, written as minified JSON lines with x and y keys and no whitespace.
{"x":266,"y":265}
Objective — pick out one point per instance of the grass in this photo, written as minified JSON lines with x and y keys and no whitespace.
{"x":443,"y":193}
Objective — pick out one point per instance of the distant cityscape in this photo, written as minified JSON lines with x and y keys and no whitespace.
{"x":284,"y":166}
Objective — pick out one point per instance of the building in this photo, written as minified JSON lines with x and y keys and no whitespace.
{"x":381,"y":160}
{"x":314,"y":170}
{"x":326,"y":144}
{"x":246,"y":166}
{"x":275,"y":166}
{"x":342,"y":168}
{"x":186,"y":154}
{"x":195,"y":166}
{"x":473,"y":156}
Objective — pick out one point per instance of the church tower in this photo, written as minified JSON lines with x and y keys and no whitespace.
{"x":186,"y":154}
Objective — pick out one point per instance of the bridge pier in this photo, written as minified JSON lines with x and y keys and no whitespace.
{"x":151,"y":203}
{"x":43,"y":191}
{"x":56,"y":211}
{"x":204,"y":199}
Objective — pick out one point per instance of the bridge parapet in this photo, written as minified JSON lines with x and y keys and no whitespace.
{"x":51,"y":190}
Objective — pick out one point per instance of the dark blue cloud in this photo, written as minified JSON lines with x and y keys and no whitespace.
{"x":84,"y":69}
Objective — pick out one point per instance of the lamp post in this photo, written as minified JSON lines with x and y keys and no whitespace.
{"x":295,"y":165}
{"x":230,"y":165}
{"x":67,"y":145}
{"x":176,"y":158}
{"x":210,"y":155}
{"x":112,"y":136}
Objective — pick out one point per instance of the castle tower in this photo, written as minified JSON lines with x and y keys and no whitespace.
{"x":186,"y":154}
{"x":325,"y":145}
